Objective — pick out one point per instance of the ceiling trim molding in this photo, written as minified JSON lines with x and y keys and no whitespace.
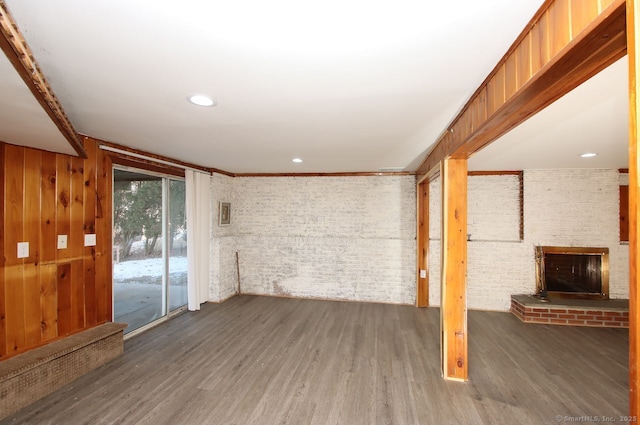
{"x":224,"y":173}
{"x":15,"y":48}
{"x":494,"y":173}
{"x":563,"y":45}
{"x":143,"y":164}
{"x":345,"y":174}
{"x":143,"y":156}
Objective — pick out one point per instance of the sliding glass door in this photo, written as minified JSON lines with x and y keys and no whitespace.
{"x":149,"y":242}
{"x":177,"y":245}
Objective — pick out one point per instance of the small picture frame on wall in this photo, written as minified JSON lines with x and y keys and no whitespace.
{"x":225,"y":214}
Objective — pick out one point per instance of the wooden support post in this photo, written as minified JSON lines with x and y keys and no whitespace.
{"x":453,"y":320}
{"x":633,"y":35}
{"x":422,"y":297}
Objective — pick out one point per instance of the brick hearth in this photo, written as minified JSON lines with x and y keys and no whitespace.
{"x":597,"y":313}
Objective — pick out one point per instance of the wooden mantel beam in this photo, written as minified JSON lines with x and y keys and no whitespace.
{"x":566,"y":43}
{"x":15,"y":48}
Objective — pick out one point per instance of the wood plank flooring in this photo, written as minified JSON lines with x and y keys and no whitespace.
{"x":261,"y":360}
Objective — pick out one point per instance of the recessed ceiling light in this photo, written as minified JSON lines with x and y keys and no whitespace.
{"x":201,"y":100}
{"x":297,"y":160}
{"x":588,"y":155}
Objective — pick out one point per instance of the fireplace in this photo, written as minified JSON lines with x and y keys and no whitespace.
{"x":572,"y":271}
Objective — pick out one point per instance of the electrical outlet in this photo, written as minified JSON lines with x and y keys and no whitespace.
{"x":62,"y":241}
{"x":23,"y":249}
{"x":90,"y":240}
{"x":423,"y":274}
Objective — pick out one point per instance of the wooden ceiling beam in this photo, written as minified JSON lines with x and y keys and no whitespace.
{"x":15,"y":48}
{"x":566,"y":43}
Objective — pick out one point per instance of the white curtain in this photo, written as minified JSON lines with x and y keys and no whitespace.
{"x":198,"y":198}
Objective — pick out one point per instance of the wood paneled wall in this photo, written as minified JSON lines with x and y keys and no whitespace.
{"x":53,"y":292}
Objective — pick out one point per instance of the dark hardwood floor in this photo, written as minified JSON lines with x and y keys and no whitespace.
{"x":261,"y":360}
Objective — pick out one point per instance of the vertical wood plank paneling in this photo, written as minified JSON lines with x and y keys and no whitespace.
{"x":48,"y":247}
{"x":63,"y":224}
{"x":582,"y":13}
{"x":76,"y":243}
{"x":545,"y":37}
{"x":465,"y":124}
{"x":76,"y":295}
{"x":105,"y":213}
{"x":499,"y":92}
{"x":3,"y":311}
{"x":48,"y":208}
{"x":633,"y":50}
{"x":524,"y":61}
{"x":49,"y":301}
{"x":511,"y":77}
{"x":31,"y":233}
{"x":65,"y":325}
{"x":76,"y":233}
{"x":422,"y":299}
{"x":491,"y":96}
{"x":43,"y":297}
{"x":104,"y":253}
{"x":473,"y":115}
{"x":89,"y":227}
{"x":559,"y":25}
{"x":32,"y":307}
{"x":63,"y":206}
{"x":482,"y":116}
{"x":14,"y":266}
{"x":537,"y":49}
{"x":454,"y":269}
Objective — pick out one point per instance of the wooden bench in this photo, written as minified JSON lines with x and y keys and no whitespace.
{"x":36,"y":373}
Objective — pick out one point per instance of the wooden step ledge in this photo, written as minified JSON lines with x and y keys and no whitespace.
{"x":29,"y":376}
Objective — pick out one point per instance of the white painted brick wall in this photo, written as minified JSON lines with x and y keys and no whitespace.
{"x":619,"y":261}
{"x":493,"y":217}
{"x":561,"y":208}
{"x":435,"y":243}
{"x":496,"y":271}
{"x":493,"y":208}
{"x":354,"y":237}
{"x":434,"y":272}
{"x":327,"y":237}
{"x":574,"y":207}
{"x":223,"y":281}
{"x":578,"y":207}
{"x":435,"y":209}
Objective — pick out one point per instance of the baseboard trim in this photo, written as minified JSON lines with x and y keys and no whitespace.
{"x":324,"y":299}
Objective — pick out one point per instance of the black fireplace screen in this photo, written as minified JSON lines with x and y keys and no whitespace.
{"x":579,"y":273}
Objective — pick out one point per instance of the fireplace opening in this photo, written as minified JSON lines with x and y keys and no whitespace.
{"x":573,"y":272}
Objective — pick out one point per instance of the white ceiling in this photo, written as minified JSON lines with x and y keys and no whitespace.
{"x":22,"y":119}
{"x":594,"y":117}
{"x":348,"y":85}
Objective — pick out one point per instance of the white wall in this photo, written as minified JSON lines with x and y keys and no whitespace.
{"x":589,"y":216}
{"x":223,"y":272}
{"x":353,"y":238}
{"x":575,"y":207}
{"x":349,"y":238}
{"x":498,"y":261}
{"x":435,"y":241}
